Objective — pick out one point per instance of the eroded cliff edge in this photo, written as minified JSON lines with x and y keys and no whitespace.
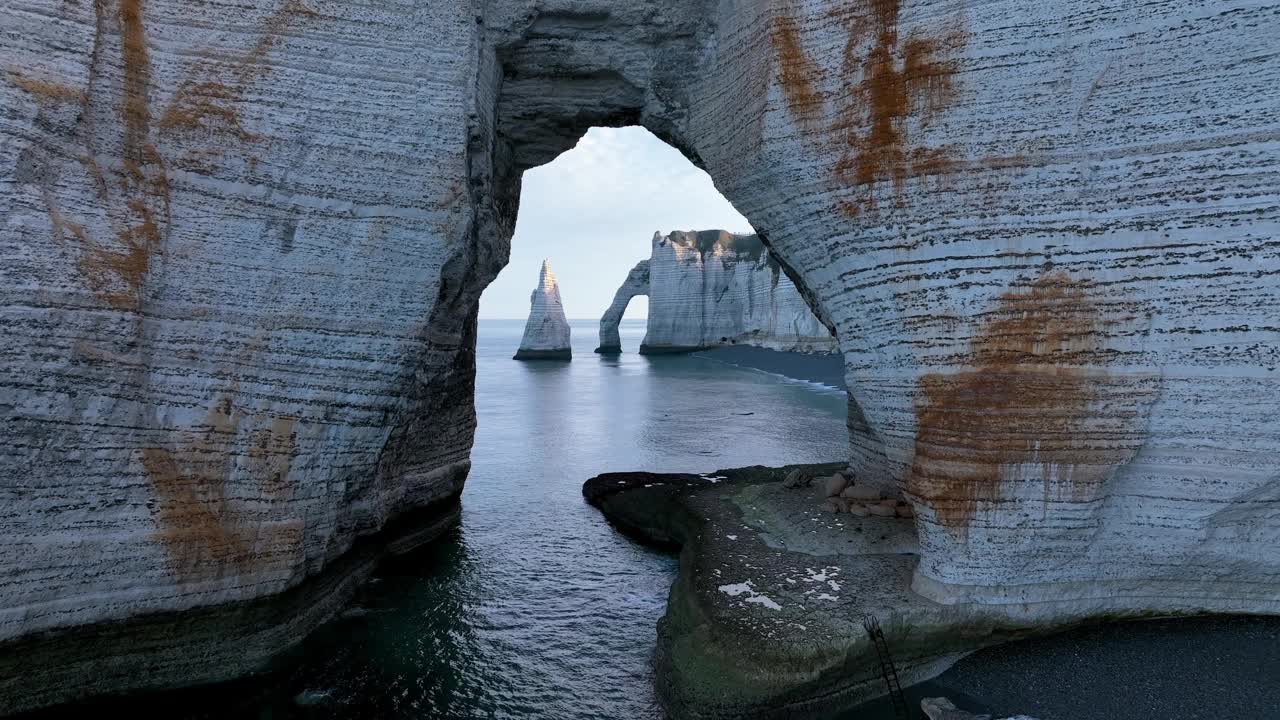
{"x":712,"y":288}
{"x":242,"y":261}
{"x":235,"y":301}
{"x":765,"y":618}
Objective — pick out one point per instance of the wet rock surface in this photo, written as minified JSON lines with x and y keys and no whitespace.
{"x":764,"y":619}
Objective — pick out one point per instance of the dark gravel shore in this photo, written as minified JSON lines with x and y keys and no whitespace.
{"x":1209,"y":668}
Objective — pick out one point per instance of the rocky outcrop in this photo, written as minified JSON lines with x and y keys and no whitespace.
{"x":712,"y":288}
{"x":765,"y":617}
{"x":637,"y":283}
{"x":242,"y":263}
{"x":546,"y":332}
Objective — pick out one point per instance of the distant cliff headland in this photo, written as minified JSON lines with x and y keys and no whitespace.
{"x":713,"y":288}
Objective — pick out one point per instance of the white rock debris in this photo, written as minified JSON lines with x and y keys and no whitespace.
{"x":745,"y":588}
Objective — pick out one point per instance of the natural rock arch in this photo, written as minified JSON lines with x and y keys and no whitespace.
{"x":636,"y":283}
{"x":714,"y":288}
{"x":241,"y":291}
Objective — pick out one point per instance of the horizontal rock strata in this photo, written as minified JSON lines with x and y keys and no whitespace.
{"x":713,"y":288}
{"x":237,"y":312}
{"x":163,"y":651}
{"x":546,"y":332}
{"x":243,"y":245}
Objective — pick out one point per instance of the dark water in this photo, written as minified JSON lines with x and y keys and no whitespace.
{"x":534,"y":607}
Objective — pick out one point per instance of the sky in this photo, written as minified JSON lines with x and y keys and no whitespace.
{"x":593,"y":211}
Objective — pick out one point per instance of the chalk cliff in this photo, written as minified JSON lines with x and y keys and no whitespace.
{"x":242,"y":259}
{"x":711,"y":288}
{"x":637,"y":283}
{"x":546,"y":332}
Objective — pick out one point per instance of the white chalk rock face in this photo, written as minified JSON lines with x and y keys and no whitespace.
{"x":546,"y":332}
{"x":240,"y":268}
{"x":238,"y":271}
{"x":711,"y":288}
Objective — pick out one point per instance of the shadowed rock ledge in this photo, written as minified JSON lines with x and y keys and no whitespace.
{"x":164,"y":651}
{"x":764,"y":618}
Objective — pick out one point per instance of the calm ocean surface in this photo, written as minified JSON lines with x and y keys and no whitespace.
{"x":534,"y":607}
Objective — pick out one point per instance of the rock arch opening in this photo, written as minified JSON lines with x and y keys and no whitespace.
{"x":1008,"y":379}
{"x":548,"y":86}
{"x":545,"y":83}
{"x":636,"y":283}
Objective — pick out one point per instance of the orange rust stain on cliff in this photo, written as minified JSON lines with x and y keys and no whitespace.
{"x":136,"y":106}
{"x":107,"y":269}
{"x":100,"y":266}
{"x":136,"y":202}
{"x":798,"y":72}
{"x":210,"y":98}
{"x":46,"y":90}
{"x":207,"y":533}
{"x":114,"y":272}
{"x":1037,"y":402}
{"x":889,"y":85}
{"x":198,"y":527}
{"x":209,"y":104}
{"x":895,"y":81}
{"x":114,"y":260}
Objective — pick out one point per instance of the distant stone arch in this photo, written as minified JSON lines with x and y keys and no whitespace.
{"x":637,"y":283}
